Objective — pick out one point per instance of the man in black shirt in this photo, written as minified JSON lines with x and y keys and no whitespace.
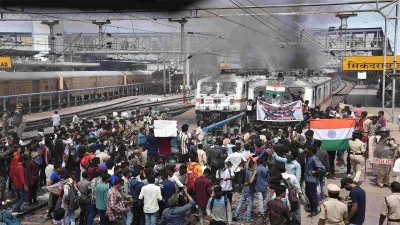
{"x":277,"y":211}
{"x":356,"y":203}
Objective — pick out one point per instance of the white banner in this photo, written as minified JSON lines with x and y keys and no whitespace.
{"x":362,"y":75}
{"x":165,"y":128}
{"x":289,"y":112}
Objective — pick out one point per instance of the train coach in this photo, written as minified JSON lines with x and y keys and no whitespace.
{"x":17,"y":83}
{"x":317,"y":90}
{"x":219,"y":97}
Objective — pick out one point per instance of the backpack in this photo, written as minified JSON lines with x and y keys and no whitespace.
{"x":191,"y":178}
{"x":73,"y":198}
{"x":7,"y":218}
{"x":225,"y":202}
{"x":292,"y":195}
{"x":85,"y":161}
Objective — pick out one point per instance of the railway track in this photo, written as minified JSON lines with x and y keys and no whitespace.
{"x":96,"y":112}
{"x":342,"y":93}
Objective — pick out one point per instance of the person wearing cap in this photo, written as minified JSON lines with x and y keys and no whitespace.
{"x":356,"y":204}
{"x":174,"y":214}
{"x":357,"y":154}
{"x":391,"y":206}
{"x":385,"y":148}
{"x":333,"y":211}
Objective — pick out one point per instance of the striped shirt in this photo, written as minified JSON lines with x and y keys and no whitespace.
{"x":184,"y":142}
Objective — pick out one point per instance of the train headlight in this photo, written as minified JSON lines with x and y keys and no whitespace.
{"x":231,"y":101}
{"x":207,"y":108}
{"x":225,"y":108}
{"x":234,"y":108}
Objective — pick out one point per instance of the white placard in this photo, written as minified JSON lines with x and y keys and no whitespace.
{"x":362,"y":75}
{"x":165,"y":128}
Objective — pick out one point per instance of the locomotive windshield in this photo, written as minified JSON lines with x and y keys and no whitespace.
{"x":227,"y":88}
{"x":208,"y":88}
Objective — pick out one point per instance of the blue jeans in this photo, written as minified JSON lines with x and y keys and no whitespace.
{"x":246,"y":197}
{"x":151,"y":218}
{"x":261,"y":196}
{"x":129,"y":217}
{"x":311,"y":193}
{"x":92,"y":214}
{"x":69,"y":217}
{"x":321,"y":186}
{"x":103,"y":217}
{"x":21,"y":198}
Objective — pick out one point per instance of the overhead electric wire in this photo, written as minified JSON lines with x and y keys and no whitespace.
{"x":251,"y":14}
{"x":244,"y":9}
{"x":295,"y":28}
{"x":250,"y":28}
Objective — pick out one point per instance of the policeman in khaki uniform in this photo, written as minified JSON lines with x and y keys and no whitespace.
{"x":357,"y":152}
{"x":333,"y":211}
{"x":391,"y":206}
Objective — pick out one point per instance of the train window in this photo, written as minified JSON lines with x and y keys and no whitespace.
{"x":228,"y":88}
{"x":319,"y":93}
{"x":208,"y":88}
{"x":244,"y":89}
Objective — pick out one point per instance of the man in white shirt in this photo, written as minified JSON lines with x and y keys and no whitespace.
{"x":226,"y":175}
{"x":56,"y":121}
{"x":75,"y":120}
{"x":151,"y":194}
{"x":237,"y":159}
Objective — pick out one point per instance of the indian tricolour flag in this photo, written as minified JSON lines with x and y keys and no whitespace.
{"x":274,"y":89}
{"x":334,"y":133}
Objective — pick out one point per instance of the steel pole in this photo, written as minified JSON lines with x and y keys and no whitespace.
{"x":384,"y":67}
{"x":169,"y":80}
{"x":394,"y":63}
{"x":183,"y":57}
{"x":163,"y":77}
{"x":187,"y":63}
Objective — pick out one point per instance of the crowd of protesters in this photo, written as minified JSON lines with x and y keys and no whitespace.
{"x":117,"y":169}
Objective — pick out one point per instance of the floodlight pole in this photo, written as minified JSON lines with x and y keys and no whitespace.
{"x":183,"y":55}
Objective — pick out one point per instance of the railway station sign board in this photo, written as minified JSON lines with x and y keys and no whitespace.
{"x":367,"y":63}
{"x":5,"y":62}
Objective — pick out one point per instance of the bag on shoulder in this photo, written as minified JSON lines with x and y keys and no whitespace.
{"x":292,"y":195}
{"x":73,"y":198}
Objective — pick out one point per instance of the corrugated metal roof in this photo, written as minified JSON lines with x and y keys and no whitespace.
{"x":7,"y":76}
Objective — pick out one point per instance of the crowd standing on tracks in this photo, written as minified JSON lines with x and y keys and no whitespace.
{"x":116,"y":168}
